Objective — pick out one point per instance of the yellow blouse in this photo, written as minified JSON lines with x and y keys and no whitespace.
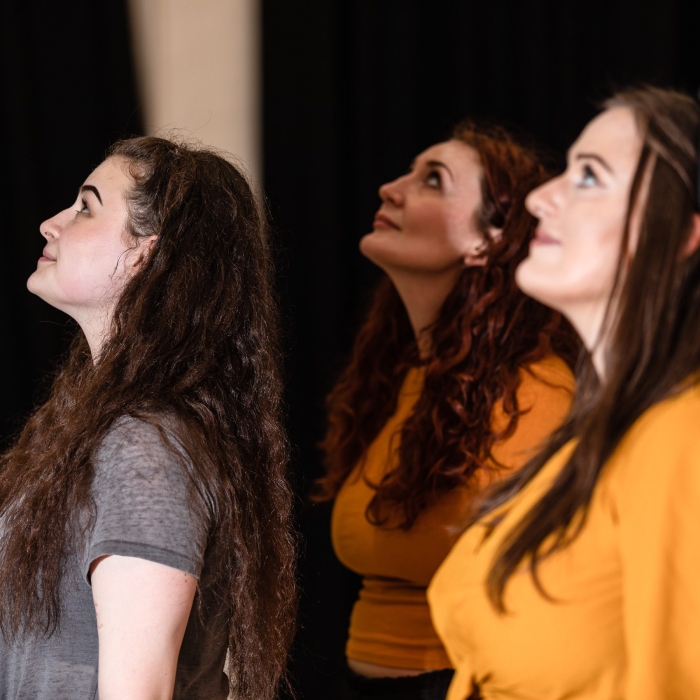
{"x":625,"y":620}
{"x":390,"y":623}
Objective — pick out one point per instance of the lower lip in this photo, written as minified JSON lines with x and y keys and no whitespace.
{"x":382,"y":223}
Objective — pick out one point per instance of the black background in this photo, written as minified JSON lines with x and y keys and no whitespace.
{"x":67,"y":89}
{"x":352,"y":91}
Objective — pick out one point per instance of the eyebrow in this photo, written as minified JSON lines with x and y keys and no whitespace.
{"x":596,"y":157}
{"x":438,"y":164}
{"x":93,"y":189}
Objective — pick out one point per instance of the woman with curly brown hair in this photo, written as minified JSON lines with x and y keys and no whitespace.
{"x":145,"y":509}
{"x":455,"y":378}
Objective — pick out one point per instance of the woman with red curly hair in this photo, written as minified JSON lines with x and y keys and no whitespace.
{"x":455,"y":379}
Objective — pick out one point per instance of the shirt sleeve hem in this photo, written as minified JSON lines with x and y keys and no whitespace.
{"x":159,"y":555}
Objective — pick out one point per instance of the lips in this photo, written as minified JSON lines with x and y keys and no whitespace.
{"x":47,"y":256}
{"x":383,"y":221}
{"x":544,"y":238}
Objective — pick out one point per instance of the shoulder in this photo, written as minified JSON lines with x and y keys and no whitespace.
{"x":547,"y":382}
{"x":544,"y":394}
{"x":670,"y":424}
{"x":128,"y":432}
{"x":551,"y":371}
{"x":134,"y":452}
{"x":662,"y":446}
{"x":144,"y":503}
{"x":544,"y":398}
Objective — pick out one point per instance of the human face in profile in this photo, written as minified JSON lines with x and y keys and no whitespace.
{"x":89,"y":254}
{"x":426,"y":223}
{"x":573,"y":258}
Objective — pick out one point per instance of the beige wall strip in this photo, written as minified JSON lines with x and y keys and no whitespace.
{"x":198,"y":69}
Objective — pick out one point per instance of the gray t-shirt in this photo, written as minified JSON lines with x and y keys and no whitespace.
{"x":140,"y":491}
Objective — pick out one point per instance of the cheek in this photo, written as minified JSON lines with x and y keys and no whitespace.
{"x":422,"y":244}
{"x":434,"y":238}
{"x":438,"y":236}
{"x":89,"y":270}
{"x":581,"y":269}
{"x":428,"y":221}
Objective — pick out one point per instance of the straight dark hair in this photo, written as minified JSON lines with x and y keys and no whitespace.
{"x":653,"y":351}
{"x":193,"y":350}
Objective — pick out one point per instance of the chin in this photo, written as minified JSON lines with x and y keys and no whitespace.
{"x":36,"y":286}
{"x":33,"y":284}
{"x":378,"y":248}
{"x":533,"y":281}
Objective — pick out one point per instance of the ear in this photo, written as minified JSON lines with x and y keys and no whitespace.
{"x":141,"y":252}
{"x":495,"y":233}
{"x":693,"y":242}
{"x":476,"y":257}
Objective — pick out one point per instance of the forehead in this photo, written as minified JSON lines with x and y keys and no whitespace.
{"x":111,"y":177}
{"x":459,"y":157}
{"x":615,"y":136}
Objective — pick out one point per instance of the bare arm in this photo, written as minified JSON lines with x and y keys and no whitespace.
{"x":142,"y":611}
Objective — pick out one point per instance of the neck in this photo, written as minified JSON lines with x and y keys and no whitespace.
{"x":598,"y":360}
{"x":588,"y":322}
{"x":95,"y":324}
{"x":423,"y":296}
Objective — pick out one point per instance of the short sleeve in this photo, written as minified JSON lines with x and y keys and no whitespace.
{"x":142,"y":504}
{"x":656,"y":506}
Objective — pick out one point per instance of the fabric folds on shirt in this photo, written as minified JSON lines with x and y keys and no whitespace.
{"x":141,"y":495}
{"x":623,"y":620}
{"x":390,"y":623}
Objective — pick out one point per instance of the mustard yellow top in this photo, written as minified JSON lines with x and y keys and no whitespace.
{"x":626,"y":621}
{"x":390,"y":623}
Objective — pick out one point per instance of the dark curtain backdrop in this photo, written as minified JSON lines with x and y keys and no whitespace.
{"x":67,"y":89}
{"x":352,"y":92}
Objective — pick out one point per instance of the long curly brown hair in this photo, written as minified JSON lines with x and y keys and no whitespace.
{"x":486,"y":332}
{"x":193,"y":350}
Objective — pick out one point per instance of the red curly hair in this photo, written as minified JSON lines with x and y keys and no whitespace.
{"x":486,"y":332}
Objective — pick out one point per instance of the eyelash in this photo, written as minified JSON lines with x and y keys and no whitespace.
{"x":435,"y":174}
{"x":588,"y":172}
{"x":85,"y":206}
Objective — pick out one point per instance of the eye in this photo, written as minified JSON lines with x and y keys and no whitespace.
{"x":84,"y":208}
{"x":433,"y":179}
{"x":588,"y":177}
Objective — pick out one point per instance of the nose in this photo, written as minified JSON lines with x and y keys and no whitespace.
{"x":51,"y":228}
{"x":542,"y":201}
{"x":392,"y":192}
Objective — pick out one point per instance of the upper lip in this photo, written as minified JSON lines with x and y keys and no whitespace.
{"x":545,"y":236}
{"x":46,"y":254}
{"x":383,"y":218}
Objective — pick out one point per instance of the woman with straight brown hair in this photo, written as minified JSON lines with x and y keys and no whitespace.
{"x":144,"y":508}
{"x":455,"y":378}
{"x":581,"y":577}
